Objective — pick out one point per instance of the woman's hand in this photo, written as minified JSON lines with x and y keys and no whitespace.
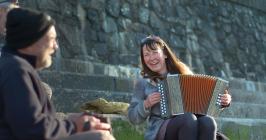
{"x":226,"y":98}
{"x":152,"y":99}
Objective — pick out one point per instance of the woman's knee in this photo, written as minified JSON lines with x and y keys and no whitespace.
{"x":190,"y":119}
{"x":207,"y":122}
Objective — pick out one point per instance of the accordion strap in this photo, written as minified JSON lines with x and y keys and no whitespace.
{"x":162,"y":130}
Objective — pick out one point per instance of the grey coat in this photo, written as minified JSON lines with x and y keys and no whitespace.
{"x":138,"y":114}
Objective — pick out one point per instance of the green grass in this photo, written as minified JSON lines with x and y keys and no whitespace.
{"x":243,"y":132}
{"x":123,"y":130}
{"x":239,"y":133}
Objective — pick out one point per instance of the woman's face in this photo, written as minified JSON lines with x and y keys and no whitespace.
{"x":155,"y":59}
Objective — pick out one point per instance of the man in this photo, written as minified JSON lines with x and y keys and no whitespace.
{"x":5,"y":6}
{"x":25,"y":110}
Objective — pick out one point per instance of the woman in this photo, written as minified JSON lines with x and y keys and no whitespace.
{"x":157,"y":61}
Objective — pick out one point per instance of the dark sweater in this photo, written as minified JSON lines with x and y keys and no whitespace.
{"x":25,"y":110}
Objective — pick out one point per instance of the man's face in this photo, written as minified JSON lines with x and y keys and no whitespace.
{"x":46,"y":46}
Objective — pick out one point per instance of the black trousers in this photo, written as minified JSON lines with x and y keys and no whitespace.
{"x":191,"y":127}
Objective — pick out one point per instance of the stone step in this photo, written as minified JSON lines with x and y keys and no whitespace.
{"x":104,"y":83}
{"x":87,"y":82}
{"x":101,"y":82}
{"x":242,"y":128}
{"x":94,"y":68}
{"x":245,"y":110}
{"x":70,"y":100}
{"x":250,"y":86}
{"x":239,"y":95}
{"x":242,"y":121}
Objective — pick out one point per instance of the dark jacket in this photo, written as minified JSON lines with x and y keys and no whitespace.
{"x":25,"y":110}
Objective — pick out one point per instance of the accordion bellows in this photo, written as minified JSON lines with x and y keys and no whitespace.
{"x":199,"y":94}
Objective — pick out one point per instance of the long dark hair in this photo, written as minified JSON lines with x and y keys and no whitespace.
{"x":173,"y":64}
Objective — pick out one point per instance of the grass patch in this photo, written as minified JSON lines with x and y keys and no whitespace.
{"x":123,"y":130}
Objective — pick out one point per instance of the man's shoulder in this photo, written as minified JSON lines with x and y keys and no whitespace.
{"x":10,"y":61}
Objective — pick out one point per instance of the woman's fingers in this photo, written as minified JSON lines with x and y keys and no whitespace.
{"x":226,"y":99}
{"x":154,"y":98}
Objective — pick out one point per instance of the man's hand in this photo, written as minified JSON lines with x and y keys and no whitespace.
{"x":87,"y":122}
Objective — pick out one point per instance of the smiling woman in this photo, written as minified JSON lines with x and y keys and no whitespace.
{"x":162,"y":55}
{"x":158,"y":60}
{"x":154,"y":58}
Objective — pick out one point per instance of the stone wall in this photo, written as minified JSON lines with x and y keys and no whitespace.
{"x":219,"y":37}
{"x":257,"y":4}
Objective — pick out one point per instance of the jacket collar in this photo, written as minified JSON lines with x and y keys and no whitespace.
{"x":29,"y":58}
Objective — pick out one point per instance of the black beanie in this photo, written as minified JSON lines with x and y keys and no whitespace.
{"x":25,"y":27}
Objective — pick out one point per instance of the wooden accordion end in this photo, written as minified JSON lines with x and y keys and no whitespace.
{"x":199,"y":94}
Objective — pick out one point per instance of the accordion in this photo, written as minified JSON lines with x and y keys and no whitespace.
{"x":199,"y":94}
